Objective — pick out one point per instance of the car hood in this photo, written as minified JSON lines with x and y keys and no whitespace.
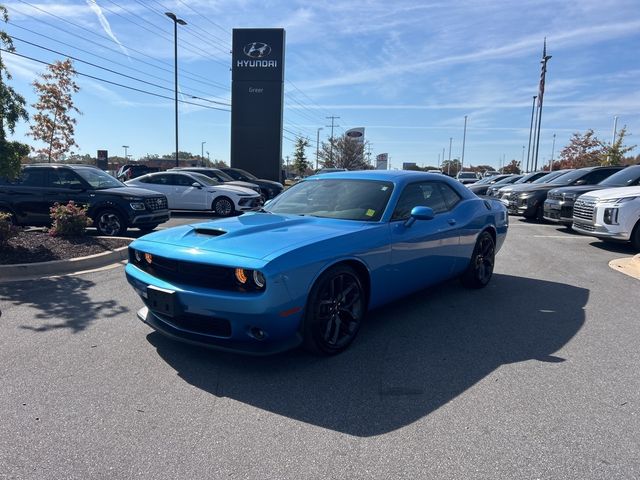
{"x":580,"y":189}
{"x":254,"y":235}
{"x":130,"y":191}
{"x":529,"y":187}
{"x":612,"y":193}
{"x":240,"y":183}
{"x":268,"y":183}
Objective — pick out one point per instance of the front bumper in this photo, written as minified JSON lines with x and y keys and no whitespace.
{"x":558,"y":211}
{"x":223,"y":320}
{"x":150,"y":218}
{"x":522,"y":206}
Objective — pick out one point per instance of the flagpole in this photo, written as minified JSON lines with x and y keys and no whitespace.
{"x":543,"y":74}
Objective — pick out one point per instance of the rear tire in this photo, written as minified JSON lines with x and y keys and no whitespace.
{"x":148,"y":228}
{"x":110,"y":223}
{"x":635,"y":237}
{"x":223,"y":207}
{"x":480,"y":269}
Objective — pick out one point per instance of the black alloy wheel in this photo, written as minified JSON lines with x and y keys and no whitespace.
{"x":223,"y":207}
{"x":110,"y":223}
{"x":335,"y":309}
{"x":480,"y":269}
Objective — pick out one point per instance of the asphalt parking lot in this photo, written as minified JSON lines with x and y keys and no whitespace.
{"x":535,"y":376}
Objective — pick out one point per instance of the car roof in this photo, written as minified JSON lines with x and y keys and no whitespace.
{"x":58,"y":165}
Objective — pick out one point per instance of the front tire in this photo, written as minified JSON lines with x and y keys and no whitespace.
{"x":480,"y":269}
{"x":110,"y":223}
{"x":148,"y":228}
{"x":635,"y":237}
{"x":335,"y":309}
{"x":223,"y":207}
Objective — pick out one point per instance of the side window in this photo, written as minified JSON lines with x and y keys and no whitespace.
{"x":182,"y":180}
{"x":599,"y":175}
{"x":61,"y":178}
{"x":425,"y":194}
{"x":31,"y":177}
{"x":159,"y":180}
{"x":451,"y":197}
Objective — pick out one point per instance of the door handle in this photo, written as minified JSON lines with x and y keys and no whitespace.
{"x":451,"y":221}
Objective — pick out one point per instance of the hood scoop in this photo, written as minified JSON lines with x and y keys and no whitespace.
{"x":211,"y":232}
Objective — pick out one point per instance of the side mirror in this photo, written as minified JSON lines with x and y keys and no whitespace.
{"x":267,"y":203}
{"x":196,"y":185}
{"x":419,"y":213}
{"x":582,"y":181}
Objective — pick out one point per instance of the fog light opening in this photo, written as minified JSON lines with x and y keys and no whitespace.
{"x":257,"y":333}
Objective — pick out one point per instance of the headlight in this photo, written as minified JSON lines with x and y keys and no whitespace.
{"x":611,"y":216}
{"x":249,"y":279}
{"x":569,"y":196}
{"x":137,"y":206}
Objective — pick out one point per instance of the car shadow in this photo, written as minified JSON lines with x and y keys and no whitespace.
{"x":65,"y":301}
{"x":410,"y":358}
{"x":615,"y":247}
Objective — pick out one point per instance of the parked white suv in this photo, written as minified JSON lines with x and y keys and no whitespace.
{"x":612,"y":213}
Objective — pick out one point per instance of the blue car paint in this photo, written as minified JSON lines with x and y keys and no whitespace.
{"x":293,"y":251}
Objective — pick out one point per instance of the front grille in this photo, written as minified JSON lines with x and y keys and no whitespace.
{"x":156,"y":203}
{"x":554,"y":196}
{"x":251,"y":202}
{"x":584,"y":209}
{"x":186,"y":273}
{"x":217,"y":327}
{"x":584,"y":226}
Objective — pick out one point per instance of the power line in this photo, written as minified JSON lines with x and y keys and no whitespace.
{"x":107,"y":69}
{"x":117,"y":84}
{"x":185,"y":72}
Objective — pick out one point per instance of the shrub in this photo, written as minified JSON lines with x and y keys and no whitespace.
{"x":7,"y":228}
{"x":69,"y":220}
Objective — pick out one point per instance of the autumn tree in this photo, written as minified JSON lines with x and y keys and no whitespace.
{"x":583,"y":150}
{"x":512,"y":167}
{"x":53,"y":123}
{"x":451,"y":167}
{"x":300,"y":163}
{"x":12,"y":110}
{"x":614,"y":154}
{"x":343,"y":152}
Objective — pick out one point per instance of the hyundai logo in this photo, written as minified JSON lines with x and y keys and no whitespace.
{"x":257,"y":50}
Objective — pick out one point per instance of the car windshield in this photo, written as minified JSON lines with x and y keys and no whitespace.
{"x":99,"y":179}
{"x":507,"y":180}
{"x":222,"y":176}
{"x":209,"y":182}
{"x":624,"y":178}
{"x":243,"y":174}
{"x":484,"y":181}
{"x":550,"y":176}
{"x":568,"y":177}
{"x":467,"y":175}
{"x":340,"y":198}
{"x":528,"y":176}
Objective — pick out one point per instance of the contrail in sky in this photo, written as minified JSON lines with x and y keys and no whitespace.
{"x":105,"y":25}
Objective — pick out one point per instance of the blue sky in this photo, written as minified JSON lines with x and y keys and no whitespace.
{"x":407,"y":71}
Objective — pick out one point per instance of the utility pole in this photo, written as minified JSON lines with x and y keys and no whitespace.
{"x":449,"y":166}
{"x":464,"y":136}
{"x":202,"y":152}
{"x":522,"y":159}
{"x":317,"y":146}
{"x":332,"y":118}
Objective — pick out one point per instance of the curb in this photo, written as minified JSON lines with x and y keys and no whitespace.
{"x":629,"y":266}
{"x":24,"y":271}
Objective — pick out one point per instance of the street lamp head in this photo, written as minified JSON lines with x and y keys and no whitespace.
{"x":173,"y":17}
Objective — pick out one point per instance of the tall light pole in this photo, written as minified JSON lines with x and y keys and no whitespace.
{"x":464,"y":136}
{"x":202,"y":152}
{"x":553,"y":147}
{"x":449,"y":167}
{"x":522,"y":159}
{"x":333,"y":119}
{"x":318,"y":145}
{"x":176,"y":21}
{"x":125,"y":151}
{"x":533,"y":109}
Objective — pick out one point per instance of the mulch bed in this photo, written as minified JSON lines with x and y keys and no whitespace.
{"x":38,"y":246}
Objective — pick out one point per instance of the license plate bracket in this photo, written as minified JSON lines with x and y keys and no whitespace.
{"x":162,"y":301}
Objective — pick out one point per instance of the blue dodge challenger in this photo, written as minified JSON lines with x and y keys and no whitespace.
{"x":306,"y":268}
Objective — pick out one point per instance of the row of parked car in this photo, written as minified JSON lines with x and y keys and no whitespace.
{"x":603,"y":202}
{"x":143,"y":202}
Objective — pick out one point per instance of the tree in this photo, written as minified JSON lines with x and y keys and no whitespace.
{"x":12,"y":109}
{"x":512,"y":167}
{"x":451,"y":167}
{"x":343,"y":152}
{"x":53,"y":124}
{"x":300,"y":163}
{"x":614,"y":154}
{"x":584,"y":150}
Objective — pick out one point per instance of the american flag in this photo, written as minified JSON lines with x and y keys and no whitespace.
{"x":543,"y":73}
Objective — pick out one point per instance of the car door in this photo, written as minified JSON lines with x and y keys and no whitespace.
{"x":160,"y":183}
{"x":64,"y":185}
{"x":425,"y":252}
{"x":24,"y":197}
{"x":188,"y":196}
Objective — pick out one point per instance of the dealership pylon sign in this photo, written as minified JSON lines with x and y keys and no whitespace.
{"x":257,"y":94}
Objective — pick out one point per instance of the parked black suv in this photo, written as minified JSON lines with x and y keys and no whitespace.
{"x":528,"y":200}
{"x":268,"y":188}
{"x":113,"y":206}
